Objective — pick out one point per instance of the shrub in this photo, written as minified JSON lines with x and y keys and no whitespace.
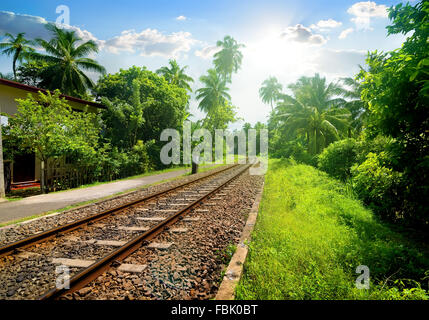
{"x":338,"y":158}
{"x":378,"y":185}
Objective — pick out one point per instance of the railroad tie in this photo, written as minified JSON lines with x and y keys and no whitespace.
{"x":112,"y":243}
{"x":159,"y":245}
{"x":178,"y":230}
{"x":27,"y":254}
{"x":150,"y":218}
{"x":132,"y":268}
{"x":190,"y":219}
{"x":134,"y":228}
{"x":78,"y":263}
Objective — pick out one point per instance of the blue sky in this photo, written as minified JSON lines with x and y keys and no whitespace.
{"x":286,"y":39}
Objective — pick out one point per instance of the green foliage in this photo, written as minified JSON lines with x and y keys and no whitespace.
{"x":310,"y":237}
{"x":66,"y":58}
{"x":47,"y":126}
{"x":220,"y":117}
{"x":313,"y":115}
{"x":395,"y":88}
{"x":229,"y":58}
{"x":378,"y":185}
{"x":270,"y":91}
{"x":140,"y":105}
{"x":215,"y":92}
{"x":18,"y":47}
{"x":338,"y":158}
{"x":176,"y":75}
{"x":32,"y":73}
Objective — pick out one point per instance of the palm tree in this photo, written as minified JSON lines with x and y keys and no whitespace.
{"x":354,"y":104}
{"x":270,"y":91}
{"x":315,"y":91}
{"x":18,"y":47}
{"x":66,"y":57}
{"x":314,"y":111}
{"x":229,"y":58}
{"x":176,"y":75}
{"x":214,"y":93}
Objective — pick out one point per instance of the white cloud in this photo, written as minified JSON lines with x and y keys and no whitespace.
{"x":364,"y":11}
{"x":151,"y":42}
{"x":345,"y":33}
{"x":299,"y":33}
{"x":207,"y":52}
{"x":326,"y":25}
{"x":181,"y":18}
{"x":148,"y":42}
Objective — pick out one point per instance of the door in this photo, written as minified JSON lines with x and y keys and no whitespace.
{"x":24,"y":168}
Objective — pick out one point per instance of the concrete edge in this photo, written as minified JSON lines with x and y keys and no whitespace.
{"x":234,"y":270}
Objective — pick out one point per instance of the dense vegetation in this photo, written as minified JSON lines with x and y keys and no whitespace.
{"x":370,"y":131}
{"x":312,"y":234}
{"x":140,"y":105}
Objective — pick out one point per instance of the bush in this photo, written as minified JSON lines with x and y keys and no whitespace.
{"x":338,"y":158}
{"x":378,"y":185}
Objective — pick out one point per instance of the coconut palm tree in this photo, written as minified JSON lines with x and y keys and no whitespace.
{"x":314,"y":111}
{"x":215,"y":92}
{"x":315,"y":91}
{"x":354,"y":104}
{"x":270,"y":91}
{"x":320,"y":127}
{"x":176,"y":75}
{"x":18,"y":47}
{"x":67,"y":57}
{"x":229,"y":58}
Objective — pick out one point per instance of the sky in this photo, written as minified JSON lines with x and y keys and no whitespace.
{"x":286,"y":39}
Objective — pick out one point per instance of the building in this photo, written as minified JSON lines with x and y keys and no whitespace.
{"x":25,"y":169}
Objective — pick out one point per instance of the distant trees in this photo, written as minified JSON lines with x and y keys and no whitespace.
{"x":215,"y":92}
{"x":140,"y":105}
{"x":176,"y":75}
{"x":313,"y":111}
{"x":18,"y":47}
{"x":270,"y":91}
{"x":228,"y":60}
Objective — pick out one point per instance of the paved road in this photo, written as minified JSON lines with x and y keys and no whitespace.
{"x":10,"y":211}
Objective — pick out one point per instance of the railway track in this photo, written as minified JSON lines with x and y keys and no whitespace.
{"x":111,"y":243}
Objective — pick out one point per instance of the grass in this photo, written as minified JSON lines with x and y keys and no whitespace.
{"x":312,"y":234}
{"x":201,"y":169}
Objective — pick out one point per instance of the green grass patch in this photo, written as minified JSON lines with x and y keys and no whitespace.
{"x":312,"y":234}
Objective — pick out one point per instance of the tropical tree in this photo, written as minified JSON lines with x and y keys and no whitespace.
{"x":270,"y":91}
{"x":320,"y":127}
{"x":229,"y":58}
{"x":354,"y":104}
{"x":67,"y":58}
{"x":315,"y":91}
{"x":176,"y":75}
{"x":18,"y":47}
{"x":314,"y":111}
{"x":215,"y":92}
